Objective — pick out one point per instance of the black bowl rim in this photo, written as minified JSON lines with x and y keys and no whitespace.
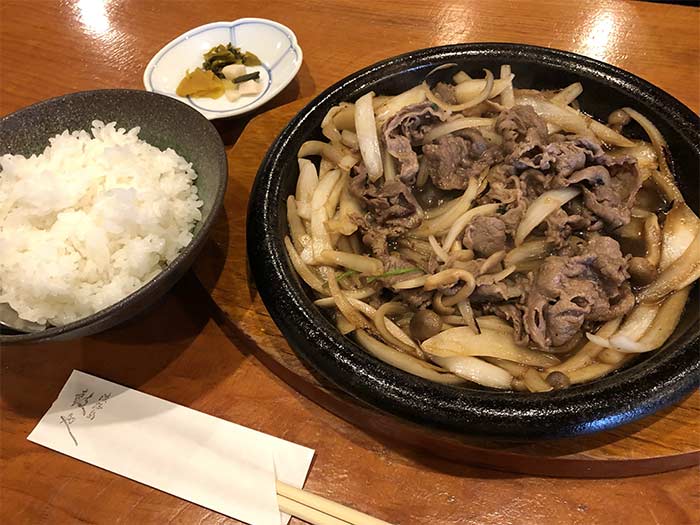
{"x":154,"y":284}
{"x":592,"y":407}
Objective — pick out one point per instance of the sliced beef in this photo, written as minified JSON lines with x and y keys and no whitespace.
{"x":416,"y":299}
{"x":563,"y":158}
{"x":446,"y":92}
{"x":534,"y":183}
{"x":613,"y":199}
{"x":405,"y":130}
{"x":522,"y":130}
{"x":592,"y":149}
{"x":592,"y":175}
{"x":513,"y":215}
{"x":569,"y":291}
{"x":485,"y":235}
{"x":514,"y":315}
{"x":609,"y":184}
{"x":454,"y":159}
{"x":512,"y":287}
{"x":428,"y":263}
{"x":503,"y":188}
{"x":472,"y":266}
{"x":608,"y":192}
{"x":559,"y":226}
{"x":428,"y":196}
{"x":391,"y":211}
{"x":560,"y":157}
{"x":608,"y":261}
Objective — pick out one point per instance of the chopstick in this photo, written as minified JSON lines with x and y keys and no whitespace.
{"x":318,"y":510}
{"x":308,"y":514}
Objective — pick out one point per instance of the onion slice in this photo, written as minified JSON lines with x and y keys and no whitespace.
{"x":652,"y":239}
{"x":463,"y":341}
{"x":366,"y":128}
{"x":531,"y":250}
{"x":381,"y":320}
{"x":492,"y":322}
{"x":455,"y":125}
{"x":393,"y":329}
{"x":342,"y":301}
{"x":443,"y":222}
{"x":359,"y":293}
{"x":680,"y":228}
{"x":360,"y":263}
{"x":306,"y":184}
{"x":413,"y":282}
{"x":540,"y":209}
{"x":297,"y":230}
{"x":638,"y":321}
{"x":660,"y":330}
{"x":477,"y":371}
{"x":302,"y":269}
{"x":404,"y":362}
{"x":567,"y":95}
{"x":507,"y":97}
{"x":455,"y":108}
{"x":663,"y":178}
{"x":598,"y":340}
{"x":462,"y":222}
{"x":590,"y":350}
{"x":415,"y":95}
{"x":594,"y":371}
{"x":677,"y":275}
{"x":320,"y":239}
{"x":469,"y":88}
{"x":534,"y":382}
{"x":570,"y":119}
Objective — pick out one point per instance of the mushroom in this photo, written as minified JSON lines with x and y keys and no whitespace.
{"x":425,"y":324}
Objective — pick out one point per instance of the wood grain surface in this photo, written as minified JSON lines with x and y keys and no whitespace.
{"x":181,"y":350}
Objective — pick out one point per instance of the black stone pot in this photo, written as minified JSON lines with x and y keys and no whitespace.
{"x":165,"y":122}
{"x":651,"y":383}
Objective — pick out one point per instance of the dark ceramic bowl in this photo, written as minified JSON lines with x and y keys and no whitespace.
{"x":657,"y":380}
{"x":164,"y":123}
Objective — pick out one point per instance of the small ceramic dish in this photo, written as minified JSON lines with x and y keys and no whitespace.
{"x":276,"y":46}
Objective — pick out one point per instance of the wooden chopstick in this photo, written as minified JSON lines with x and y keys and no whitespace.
{"x":318,"y":510}
{"x":308,"y":514}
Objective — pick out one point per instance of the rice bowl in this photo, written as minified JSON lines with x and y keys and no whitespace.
{"x":90,"y":220}
{"x":164,"y":123}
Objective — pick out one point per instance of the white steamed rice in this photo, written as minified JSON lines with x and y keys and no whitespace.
{"x":89,"y":221}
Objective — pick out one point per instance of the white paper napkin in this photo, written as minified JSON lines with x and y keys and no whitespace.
{"x":214,"y":463}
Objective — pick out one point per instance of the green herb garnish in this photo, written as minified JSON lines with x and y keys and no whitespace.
{"x":221,"y":56}
{"x":345,"y":274}
{"x":392,"y":273}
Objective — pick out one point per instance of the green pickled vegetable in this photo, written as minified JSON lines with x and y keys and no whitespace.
{"x":255,"y":75}
{"x":221,"y":56}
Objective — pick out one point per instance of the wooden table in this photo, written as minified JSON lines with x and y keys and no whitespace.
{"x":178,"y":350}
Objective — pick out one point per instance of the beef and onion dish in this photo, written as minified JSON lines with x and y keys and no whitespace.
{"x":472,"y":232}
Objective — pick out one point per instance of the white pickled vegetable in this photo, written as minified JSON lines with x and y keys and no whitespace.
{"x":233,"y":71}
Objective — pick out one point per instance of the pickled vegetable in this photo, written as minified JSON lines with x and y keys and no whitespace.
{"x":221,"y":56}
{"x":201,"y":84}
{"x":223,"y":72}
